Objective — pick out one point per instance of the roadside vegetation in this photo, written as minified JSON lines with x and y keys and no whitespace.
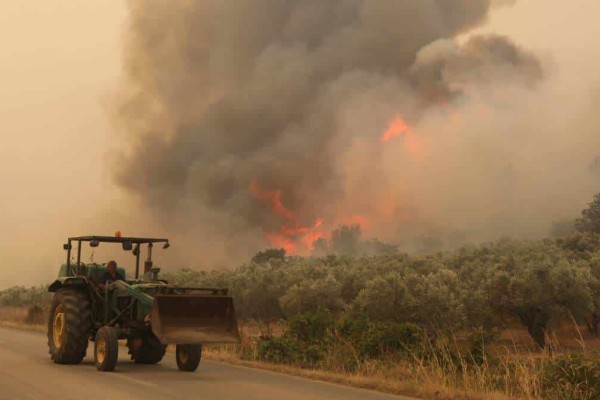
{"x":508,"y":319}
{"x":19,"y":304}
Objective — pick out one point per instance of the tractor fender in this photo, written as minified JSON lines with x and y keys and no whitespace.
{"x":69,"y":281}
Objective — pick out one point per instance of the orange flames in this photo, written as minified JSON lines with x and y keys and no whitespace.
{"x":292,"y":233}
{"x":296,"y":237}
{"x":274,"y":199}
{"x":399,"y":127}
{"x":396,"y":128}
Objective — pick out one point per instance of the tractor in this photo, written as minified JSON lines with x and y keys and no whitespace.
{"x":145,"y":311}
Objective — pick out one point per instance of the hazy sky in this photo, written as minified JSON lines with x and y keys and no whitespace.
{"x":60,"y":65}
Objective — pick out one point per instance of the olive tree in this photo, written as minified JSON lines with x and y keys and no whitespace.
{"x":312,"y":294}
{"x":590,"y":217}
{"x":538,"y":293}
{"x":432,"y":301}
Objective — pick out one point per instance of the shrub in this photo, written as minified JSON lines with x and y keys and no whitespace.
{"x":311,"y":327}
{"x":571,"y":377}
{"x":35,"y":315}
{"x":311,"y":294}
{"x":432,"y":300}
{"x":389,"y":337}
{"x":580,"y":242}
{"x":374,"y":339}
{"x":590,"y":217}
{"x":280,"y":350}
{"x":267,"y":255}
{"x":19,"y":296}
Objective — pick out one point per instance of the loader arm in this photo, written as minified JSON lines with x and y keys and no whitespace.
{"x":145,"y":299}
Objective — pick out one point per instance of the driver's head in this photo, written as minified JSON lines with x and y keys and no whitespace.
{"x":111,"y":266}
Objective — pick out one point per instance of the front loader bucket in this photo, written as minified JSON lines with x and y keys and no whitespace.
{"x":194,"y":319}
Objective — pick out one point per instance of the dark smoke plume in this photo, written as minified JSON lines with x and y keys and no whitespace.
{"x":293,"y":95}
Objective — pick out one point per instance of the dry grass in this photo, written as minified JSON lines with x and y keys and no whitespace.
{"x":356,"y":379}
{"x":15,"y":317}
{"x":424,"y":381}
{"x":380,"y":376}
{"x":513,"y":368}
{"x":13,"y":313}
{"x":417,"y":378}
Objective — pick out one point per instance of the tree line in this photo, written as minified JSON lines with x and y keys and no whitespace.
{"x":534,"y":283}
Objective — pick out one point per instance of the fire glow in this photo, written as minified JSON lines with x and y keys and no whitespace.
{"x":398,"y":127}
{"x":292,"y":233}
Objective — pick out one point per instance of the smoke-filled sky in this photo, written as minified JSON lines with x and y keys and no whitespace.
{"x":231,"y":126}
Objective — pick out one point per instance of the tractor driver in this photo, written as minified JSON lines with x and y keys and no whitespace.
{"x":111,"y":275}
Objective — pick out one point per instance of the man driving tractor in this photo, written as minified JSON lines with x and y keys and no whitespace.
{"x":111,"y":275}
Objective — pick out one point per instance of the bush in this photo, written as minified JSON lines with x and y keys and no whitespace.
{"x":374,"y":339}
{"x":311,"y":327}
{"x":279,"y":350}
{"x":590,"y":217}
{"x":35,"y":315}
{"x":433,"y":300}
{"x":19,"y":296}
{"x":572,"y":377}
{"x":267,"y":255}
{"x":312,"y":294}
{"x":585,"y":242}
{"x":389,"y":337}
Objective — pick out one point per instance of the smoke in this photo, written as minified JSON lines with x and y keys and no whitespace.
{"x":261,"y":119}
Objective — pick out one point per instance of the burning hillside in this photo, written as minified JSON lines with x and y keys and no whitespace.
{"x":292,"y":232}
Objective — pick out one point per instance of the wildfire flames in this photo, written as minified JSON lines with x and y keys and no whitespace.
{"x":412,"y":142}
{"x":396,"y":128}
{"x":292,"y":234}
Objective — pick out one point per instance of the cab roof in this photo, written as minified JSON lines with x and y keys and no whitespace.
{"x":116,"y":239}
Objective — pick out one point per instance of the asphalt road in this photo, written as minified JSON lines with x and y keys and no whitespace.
{"x":26,"y":372}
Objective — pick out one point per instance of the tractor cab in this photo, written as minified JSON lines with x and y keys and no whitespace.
{"x":133,"y":244}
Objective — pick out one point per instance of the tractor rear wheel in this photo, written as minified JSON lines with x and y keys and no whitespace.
{"x":188,"y":356}
{"x":69,"y":326}
{"x":106,"y":349}
{"x":146,"y":350}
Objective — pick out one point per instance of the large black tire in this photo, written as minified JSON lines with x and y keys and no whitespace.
{"x":106,"y":349}
{"x":69,"y":326}
{"x":146,"y":350}
{"x":188,"y":356}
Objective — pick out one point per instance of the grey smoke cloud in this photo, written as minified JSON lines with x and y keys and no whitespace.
{"x":294,"y":95}
{"x":444,"y":70}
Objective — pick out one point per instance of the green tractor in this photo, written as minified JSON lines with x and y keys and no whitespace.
{"x":146,"y":311}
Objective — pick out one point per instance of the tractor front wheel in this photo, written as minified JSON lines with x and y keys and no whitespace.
{"x":188,"y":356}
{"x":106,"y":349}
{"x":69,"y":326}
